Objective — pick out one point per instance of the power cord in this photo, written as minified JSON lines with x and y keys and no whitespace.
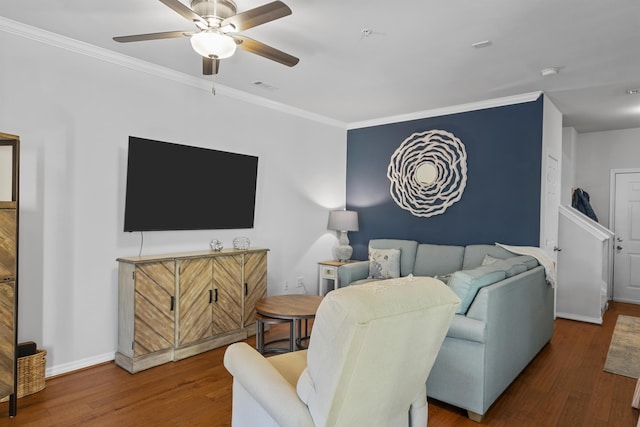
{"x":141,"y":242}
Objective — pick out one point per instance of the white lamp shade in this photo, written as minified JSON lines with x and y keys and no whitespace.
{"x":213,"y":45}
{"x":343,"y":220}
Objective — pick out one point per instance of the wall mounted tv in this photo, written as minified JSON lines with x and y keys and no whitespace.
{"x":179,"y":187}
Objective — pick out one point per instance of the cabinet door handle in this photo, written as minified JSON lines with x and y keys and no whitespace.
{"x":173,"y":303}
{"x":210,"y":296}
{"x":246,"y":289}
{"x":216,"y":298}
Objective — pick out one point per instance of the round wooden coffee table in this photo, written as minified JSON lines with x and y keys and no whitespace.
{"x":292,"y":309}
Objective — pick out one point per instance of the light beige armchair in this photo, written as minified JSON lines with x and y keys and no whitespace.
{"x":371,"y":350}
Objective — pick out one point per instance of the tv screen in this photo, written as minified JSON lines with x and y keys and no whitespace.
{"x":179,"y":187}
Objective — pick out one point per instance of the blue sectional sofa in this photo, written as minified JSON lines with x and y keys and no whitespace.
{"x":508,"y":319}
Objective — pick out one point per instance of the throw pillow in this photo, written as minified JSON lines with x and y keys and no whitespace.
{"x":384,"y":263}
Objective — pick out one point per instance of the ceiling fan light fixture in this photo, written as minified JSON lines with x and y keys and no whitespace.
{"x":229,"y":28}
{"x":211,"y":44}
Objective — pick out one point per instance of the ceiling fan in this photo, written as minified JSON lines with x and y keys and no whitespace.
{"x":217,"y":24}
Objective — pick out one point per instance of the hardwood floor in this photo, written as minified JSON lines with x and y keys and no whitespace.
{"x":564,"y":386}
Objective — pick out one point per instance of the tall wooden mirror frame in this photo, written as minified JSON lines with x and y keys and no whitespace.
{"x":12,"y":161}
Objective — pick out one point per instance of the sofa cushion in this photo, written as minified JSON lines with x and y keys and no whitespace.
{"x":466,"y":283}
{"x":488,"y":260}
{"x":511,"y":268}
{"x":474,"y":254}
{"x":438,"y":260}
{"x":407,"y":251}
{"x":384,"y":263}
{"x":529,"y":261}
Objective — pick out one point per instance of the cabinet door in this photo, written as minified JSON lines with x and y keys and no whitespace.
{"x":227,"y":289}
{"x":195,"y":300}
{"x":255,"y":284}
{"x":8,"y":232}
{"x":7,"y":337}
{"x":154,"y":307}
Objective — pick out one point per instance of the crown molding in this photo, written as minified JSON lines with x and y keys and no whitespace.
{"x":63,"y":42}
{"x":454,"y":109}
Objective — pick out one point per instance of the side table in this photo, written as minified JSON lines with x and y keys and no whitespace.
{"x":328,"y":275}
{"x":292,"y":309}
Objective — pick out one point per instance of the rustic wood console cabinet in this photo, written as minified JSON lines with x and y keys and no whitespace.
{"x":178,"y":305}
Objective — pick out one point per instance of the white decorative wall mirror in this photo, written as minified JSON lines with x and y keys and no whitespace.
{"x":428,"y":172}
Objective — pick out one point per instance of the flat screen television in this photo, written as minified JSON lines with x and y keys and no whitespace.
{"x":179,"y":187}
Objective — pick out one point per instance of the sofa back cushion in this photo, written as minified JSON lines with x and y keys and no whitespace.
{"x":467,"y":283}
{"x":438,"y":260}
{"x":510,"y":268}
{"x":514,"y":265}
{"x":474,"y":254}
{"x":407,"y":252}
{"x":529,"y":261}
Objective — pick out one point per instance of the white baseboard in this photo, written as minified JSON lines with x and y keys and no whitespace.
{"x":589,"y":319}
{"x":79,"y":364}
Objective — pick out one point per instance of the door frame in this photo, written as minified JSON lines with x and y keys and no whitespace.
{"x":612,"y":215}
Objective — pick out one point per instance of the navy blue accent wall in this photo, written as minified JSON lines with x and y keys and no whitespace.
{"x":501,"y":202}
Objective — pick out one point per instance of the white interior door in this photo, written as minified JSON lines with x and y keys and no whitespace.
{"x":626,"y":226}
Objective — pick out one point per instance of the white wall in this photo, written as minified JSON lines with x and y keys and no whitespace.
{"x":74,"y":114}
{"x":597,"y":153}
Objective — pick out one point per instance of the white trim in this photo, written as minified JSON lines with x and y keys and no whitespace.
{"x":454,"y":109}
{"x":612,"y":225}
{"x":580,"y":318}
{"x":79,"y":364}
{"x":63,"y":42}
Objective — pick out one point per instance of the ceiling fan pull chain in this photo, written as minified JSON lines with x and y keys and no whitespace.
{"x":213,"y":85}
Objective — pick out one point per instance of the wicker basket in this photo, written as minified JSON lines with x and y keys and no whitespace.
{"x":30,"y":374}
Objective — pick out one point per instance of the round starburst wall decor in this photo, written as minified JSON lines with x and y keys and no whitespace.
{"x":428,"y":172}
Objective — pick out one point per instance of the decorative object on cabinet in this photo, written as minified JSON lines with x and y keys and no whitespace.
{"x":343,"y":221}
{"x":241,"y":243}
{"x":428,"y":172}
{"x":216,"y":245}
{"x":177,"y":305}
{"x":9,"y":213}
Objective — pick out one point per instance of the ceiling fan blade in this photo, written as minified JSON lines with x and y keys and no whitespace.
{"x":254,"y":46}
{"x":185,"y":11}
{"x":152,"y":36}
{"x":210,"y":66}
{"x":257,"y":16}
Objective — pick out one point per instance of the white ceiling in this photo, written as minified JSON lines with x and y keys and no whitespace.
{"x":418,"y":56}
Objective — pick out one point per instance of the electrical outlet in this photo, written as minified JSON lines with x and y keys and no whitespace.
{"x":286,"y":286}
{"x":300,"y":282}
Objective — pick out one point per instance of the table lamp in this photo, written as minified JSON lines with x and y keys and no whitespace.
{"x":343,"y":221}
